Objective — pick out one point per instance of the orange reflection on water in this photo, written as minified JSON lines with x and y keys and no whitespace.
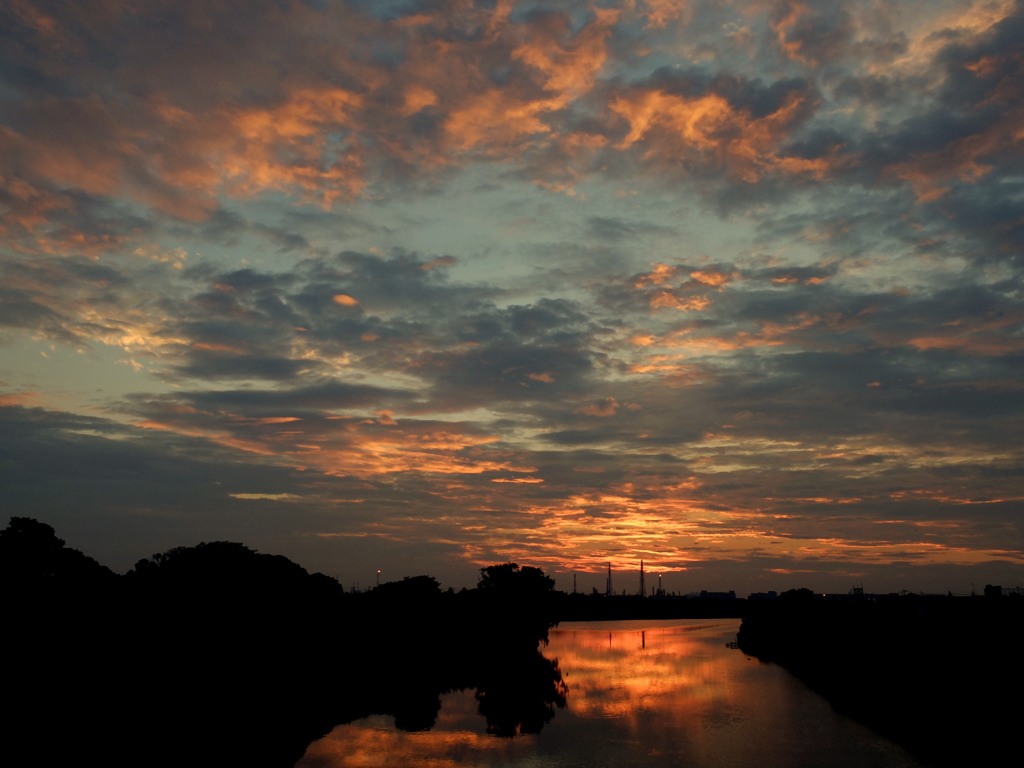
{"x":459,"y":738}
{"x":626,"y":674}
{"x":654,"y":693}
{"x":613,"y":671}
{"x":622,"y":671}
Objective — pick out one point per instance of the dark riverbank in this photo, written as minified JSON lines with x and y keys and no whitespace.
{"x":217,"y":655}
{"x":940,"y":675}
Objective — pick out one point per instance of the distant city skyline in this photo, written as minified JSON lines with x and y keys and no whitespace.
{"x":733,"y":288}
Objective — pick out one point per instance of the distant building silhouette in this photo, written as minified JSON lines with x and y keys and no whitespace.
{"x":705,"y":595}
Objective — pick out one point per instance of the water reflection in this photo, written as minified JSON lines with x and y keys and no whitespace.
{"x":519,"y":694}
{"x":630,"y":674}
{"x":636,"y":693}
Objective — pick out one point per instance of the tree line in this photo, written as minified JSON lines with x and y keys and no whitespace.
{"x":217,"y":654}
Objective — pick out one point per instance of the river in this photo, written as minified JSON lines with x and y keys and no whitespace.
{"x":654,"y":693}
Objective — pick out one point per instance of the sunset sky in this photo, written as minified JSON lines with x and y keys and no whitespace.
{"x":731,"y":287}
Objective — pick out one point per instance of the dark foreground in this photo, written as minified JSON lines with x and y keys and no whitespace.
{"x":218,"y":655}
{"x":941,"y":676}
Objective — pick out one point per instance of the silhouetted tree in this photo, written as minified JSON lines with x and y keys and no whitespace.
{"x":214,"y":571}
{"x":513,"y":605}
{"x":31,"y":555}
{"x":409,"y":589}
{"x":252,"y":643}
{"x":510,"y":579}
{"x":797,"y":594}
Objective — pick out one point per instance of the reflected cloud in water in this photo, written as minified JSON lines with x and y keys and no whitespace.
{"x":637,"y":693}
{"x":459,"y":738}
{"x":630,"y":673}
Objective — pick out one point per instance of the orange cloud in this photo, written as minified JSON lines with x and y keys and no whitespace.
{"x":980,"y":337}
{"x":25,"y":399}
{"x":644,"y":340}
{"x":661,"y":12}
{"x":569,"y":64}
{"x":967,"y":158}
{"x":925,"y":39}
{"x":266,"y":496}
{"x":713,"y":277}
{"x":648,"y":518}
{"x":663,"y":299}
{"x":386,"y":418}
{"x":218,"y":348}
{"x":953,"y":497}
{"x":659,"y":275}
{"x":706,"y":131}
{"x":962,"y":159}
{"x":444,"y":261}
{"x":417,"y":97}
{"x":672,"y":372}
{"x":981,"y":346}
{"x":367,"y":448}
{"x":496,"y":120}
{"x":667,"y":296}
{"x":90,"y":144}
{"x":792,"y":48}
{"x":606,"y":407}
{"x":218,"y":437}
{"x":288,"y":146}
{"x":770,"y":334}
{"x":179,"y":161}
